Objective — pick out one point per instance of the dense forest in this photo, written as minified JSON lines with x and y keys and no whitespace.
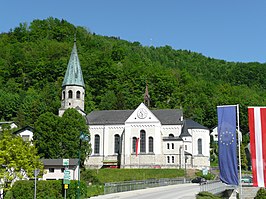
{"x":34,"y":57}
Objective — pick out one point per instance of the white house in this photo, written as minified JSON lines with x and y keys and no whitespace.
{"x":54,"y":169}
{"x":136,"y":138}
{"x":7,"y":125}
{"x":26,"y":133}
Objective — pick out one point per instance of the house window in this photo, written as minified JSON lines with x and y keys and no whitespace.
{"x":185,"y":147}
{"x":168,"y":159}
{"x":70,"y":94}
{"x":173,"y":159}
{"x":78,"y":94}
{"x":96,"y":144}
{"x":150,"y":144}
{"x":171,"y":135}
{"x":51,"y":170}
{"x":199,"y":146}
{"x":142,"y":141}
{"x":168,"y":146}
{"x":26,"y":138}
{"x":134,"y":142}
{"x":117,"y":143}
{"x":63,"y":95}
{"x":173,"y":145}
{"x":62,"y":170}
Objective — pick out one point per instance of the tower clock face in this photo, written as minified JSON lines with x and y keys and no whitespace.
{"x":142,"y":113}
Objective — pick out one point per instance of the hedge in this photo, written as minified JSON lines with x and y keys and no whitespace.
{"x":46,"y":189}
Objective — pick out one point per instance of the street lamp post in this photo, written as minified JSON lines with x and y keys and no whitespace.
{"x":82,"y":137}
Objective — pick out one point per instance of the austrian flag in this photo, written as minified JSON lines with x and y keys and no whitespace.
{"x":257,"y":128}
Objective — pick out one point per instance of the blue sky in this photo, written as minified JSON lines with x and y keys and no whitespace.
{"x":232,"y":30}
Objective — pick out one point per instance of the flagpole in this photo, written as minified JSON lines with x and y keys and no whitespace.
{"x":239,"y":153}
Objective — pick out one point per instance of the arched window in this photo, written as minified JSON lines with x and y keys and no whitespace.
{"x":171,"y":135}
{"x":168,"y":146}
{"x":173,"y":159}
{"x":96,"y":144}
{"x":142,"y":141}
{"x":168,"y":159}
{"x":134,"y":142}
{"x":78,"y":94}
{"x":199,"y":146}
{"x":117,"y":143}
{"x":63,"y":95}
{"x":173,"y":146}
{"x":70,"y":94}
{"x":150,"y":144}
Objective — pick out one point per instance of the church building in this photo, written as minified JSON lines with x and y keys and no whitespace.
{"x":137,"y":138}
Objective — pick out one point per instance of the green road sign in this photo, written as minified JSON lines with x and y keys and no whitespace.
{"x":66,"y":177}
{"x":65,"y":162}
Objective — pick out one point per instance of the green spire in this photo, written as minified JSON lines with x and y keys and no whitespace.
{"x":73,"y":74}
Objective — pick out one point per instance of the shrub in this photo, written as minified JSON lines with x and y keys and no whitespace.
{"x":95,"y":190}
{"x":47,"y":189}
{"x":261,"y":194}
{"x":206,"y":195}
{"x":89,"y":177}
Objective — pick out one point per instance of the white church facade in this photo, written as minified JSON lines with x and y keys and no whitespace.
{"x":138,"y":138}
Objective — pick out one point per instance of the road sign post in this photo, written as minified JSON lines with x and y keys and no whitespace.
{"x":65,"y":187}
{"x":36,"y":172}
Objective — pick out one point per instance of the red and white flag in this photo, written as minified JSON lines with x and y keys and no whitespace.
{"x":257,"y":128}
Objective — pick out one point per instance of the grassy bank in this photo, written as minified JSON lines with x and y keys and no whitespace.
{"x":95,"y":179}
{"x":102,"y":176}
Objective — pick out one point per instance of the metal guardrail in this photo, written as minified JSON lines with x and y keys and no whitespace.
{"x":141,"y":184}
{"x":215,"y":187}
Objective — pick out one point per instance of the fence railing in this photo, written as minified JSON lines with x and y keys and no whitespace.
{"x":141,"y":184}
{"x":215,"y":187}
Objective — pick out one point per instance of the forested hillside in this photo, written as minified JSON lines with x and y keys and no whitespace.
{"x":34,"y":58}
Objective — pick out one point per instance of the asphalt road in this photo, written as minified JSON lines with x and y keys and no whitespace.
{"x":182,"y":191}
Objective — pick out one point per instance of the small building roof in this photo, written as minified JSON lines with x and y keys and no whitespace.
{"x":8,"y":125}
{"x":58,"y":162}
{"x":23,"y":129}
{"x":6,"y":122}
{"x":191,"y":124}
{"x":184,"y":131}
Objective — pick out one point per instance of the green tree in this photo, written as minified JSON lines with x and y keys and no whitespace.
{"x":108,"y":101}
{"x":59,"y":137}
{"x":72,"y":124}
{"x":46,"y":136}
{"x":18,"y":159}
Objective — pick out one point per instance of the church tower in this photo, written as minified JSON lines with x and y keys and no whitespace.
{"x":73,"y":87}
